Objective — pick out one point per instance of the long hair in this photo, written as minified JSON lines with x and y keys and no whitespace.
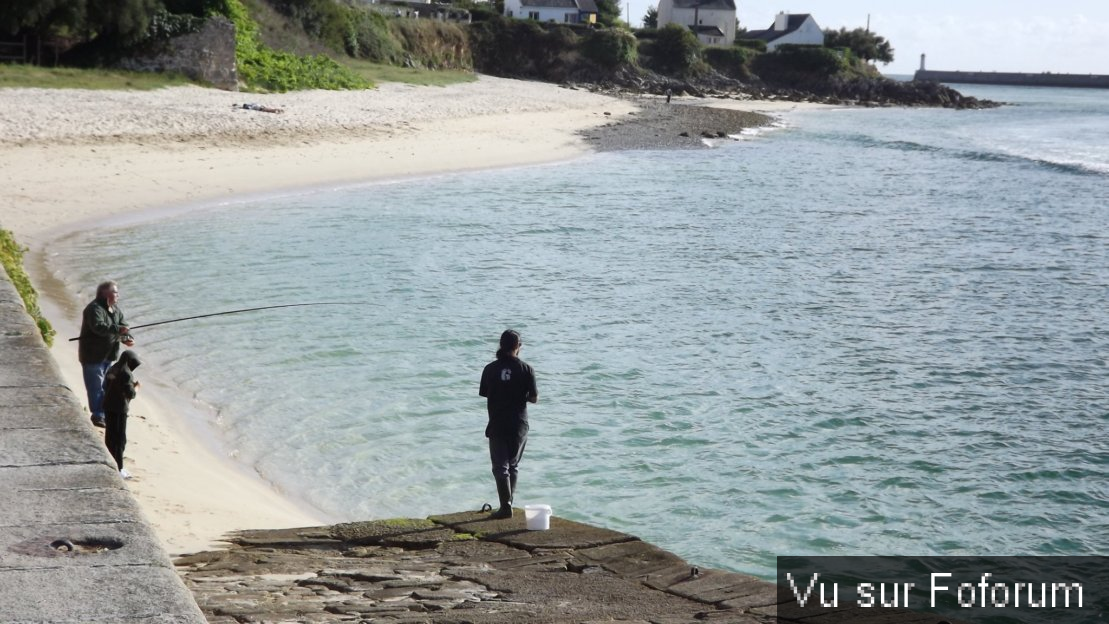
{"x":510,"y":339}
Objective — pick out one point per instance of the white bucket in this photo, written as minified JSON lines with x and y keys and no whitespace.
{"x":538,"y":517}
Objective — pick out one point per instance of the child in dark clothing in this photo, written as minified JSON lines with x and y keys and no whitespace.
{"x":119,"y":389}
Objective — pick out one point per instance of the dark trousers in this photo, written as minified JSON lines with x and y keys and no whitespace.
{"x":505,"y":454}
{"x":115,"y":435}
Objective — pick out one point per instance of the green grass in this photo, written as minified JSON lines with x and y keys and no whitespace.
{"x":73,"y":78}
{"x":378,"y":73}
{"x":11,"y":256}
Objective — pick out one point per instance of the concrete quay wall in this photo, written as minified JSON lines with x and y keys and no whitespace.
{"x":74,"y":545}
{"x":1088,"y":81}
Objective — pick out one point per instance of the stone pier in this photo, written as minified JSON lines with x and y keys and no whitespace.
{"x":468,"y":568}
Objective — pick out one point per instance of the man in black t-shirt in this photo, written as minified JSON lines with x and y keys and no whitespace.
{"x":509,"y":385}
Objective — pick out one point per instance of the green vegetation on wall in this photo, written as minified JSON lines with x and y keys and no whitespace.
{"x":360,"y":32}
{"x":520,"y":48}
{"x":374,"y":40}
{"x":432,"y":44}
{"x":11,"y":256}
{"x":674,"y":50}
{"x":165,"y":25}
{"x":734,"y":62}
{"x":753,"y":44}
{"x":262,"y":67}
{"x":798,"y":64}
{"x":610,"y":47}
{"x":326,"y":21}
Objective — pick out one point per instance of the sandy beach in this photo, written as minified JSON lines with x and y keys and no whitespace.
{"x":72,"y":159}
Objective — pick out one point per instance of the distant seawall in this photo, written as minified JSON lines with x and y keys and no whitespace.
{"x":1088,"y":81}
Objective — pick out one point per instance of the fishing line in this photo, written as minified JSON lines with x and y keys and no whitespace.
{"x":271,"y":307}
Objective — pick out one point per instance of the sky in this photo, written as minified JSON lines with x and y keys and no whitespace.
{"x":1062,"y":36}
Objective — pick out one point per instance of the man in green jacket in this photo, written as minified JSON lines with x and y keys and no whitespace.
{"x":103,"y":328}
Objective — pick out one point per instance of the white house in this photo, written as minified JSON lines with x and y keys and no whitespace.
{"x":561,"y":11}
{"x":796,"y":29}
{"x":712,"y":20}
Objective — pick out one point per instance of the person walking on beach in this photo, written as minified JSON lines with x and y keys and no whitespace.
{"x":103,"y":328}
{"x":120,"y":387}
{"x":508,"y":383}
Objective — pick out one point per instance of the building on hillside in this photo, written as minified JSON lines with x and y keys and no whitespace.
{"x":795,"y":29}
{"x":713,"y":21}
{"x":560,"y":11}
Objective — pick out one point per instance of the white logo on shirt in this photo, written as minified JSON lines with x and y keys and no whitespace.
{"x":506,"y":374}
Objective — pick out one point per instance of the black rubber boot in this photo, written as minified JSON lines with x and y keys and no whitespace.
{"x":511,"y":489}
{"x":504,"y":492}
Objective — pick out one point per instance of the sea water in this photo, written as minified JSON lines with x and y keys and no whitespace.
{"x":873,"y":331}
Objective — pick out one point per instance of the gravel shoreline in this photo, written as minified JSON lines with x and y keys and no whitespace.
{"x":659,"y":125}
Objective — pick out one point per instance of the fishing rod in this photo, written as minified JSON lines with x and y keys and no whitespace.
{"x":271,"y":307}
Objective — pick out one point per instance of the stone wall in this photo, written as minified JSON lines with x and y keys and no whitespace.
{"x":207,"y":55}
{"x":74,"y":546}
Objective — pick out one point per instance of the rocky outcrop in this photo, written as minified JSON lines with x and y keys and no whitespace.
{"x":839,"y":90}
{"x":881,"y":91}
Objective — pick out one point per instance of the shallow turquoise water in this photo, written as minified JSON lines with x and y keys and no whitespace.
{"x":871,"y":332}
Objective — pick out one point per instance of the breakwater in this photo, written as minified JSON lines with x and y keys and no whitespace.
{"x":1086,"y":81}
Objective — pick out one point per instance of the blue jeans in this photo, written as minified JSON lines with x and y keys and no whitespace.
{"x":94,"y":386}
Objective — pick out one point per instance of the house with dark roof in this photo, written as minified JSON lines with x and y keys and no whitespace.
{"x":560,"y":11}
{"x":713,"y":21}
{"x":789,"y":28}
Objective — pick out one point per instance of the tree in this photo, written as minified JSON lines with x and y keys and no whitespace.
{"x":861,"y":42}
{"x":650,"y":19}
{"x":120,"y":20}
{"x":117,"y":21}
{"x":609,"y":47}
{"x":41,"y":17}
{"x":676,"y":50}
{"x":608,"y":12}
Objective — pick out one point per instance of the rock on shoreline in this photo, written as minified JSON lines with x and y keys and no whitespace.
{"x":659,"y":125}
